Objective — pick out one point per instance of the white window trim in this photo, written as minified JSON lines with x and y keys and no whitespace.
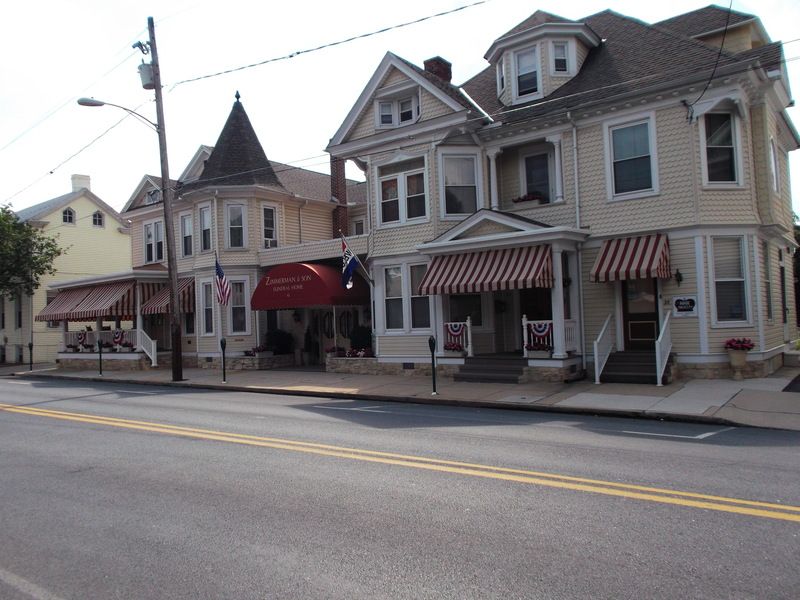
{"x":460,"y":152}
{"x":736,"y":122}
{"x":774,"y":165}
{"x":244,"y":245}
{"x":517,"y":99}
{"x":715,"y":324}
{"x":363,"y":222}
{"x":181,"y":215}
{"x":395,"y":98}
{"x":200,"y":315}
{"x":572,"y":58}
{"x":73,"y":213}
{"x":247,"y":312}
{"x":500,"y":74}
{"x":608,"y":127}
{"x":766,"y":278}
{"x":274,"y":208}
{"x":200,"y":208}
{"x":551,"y":172}
{"x":102,"y":219}
{"x":380,"y":298}
{"x":402,"y":200}
{"x":155,"y":242}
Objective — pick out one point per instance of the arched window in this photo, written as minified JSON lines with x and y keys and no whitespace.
{"x":97,"y":219}
{"x":68,"y":216}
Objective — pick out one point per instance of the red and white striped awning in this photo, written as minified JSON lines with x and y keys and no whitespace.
{"x":107,"y":300}
{"x":158,"y":304}
{"x":62,"y":305}
{"x":642,"y":257}
{"x":489,"y":271}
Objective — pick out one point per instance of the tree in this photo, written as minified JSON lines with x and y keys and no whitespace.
{"x":26,"y":254}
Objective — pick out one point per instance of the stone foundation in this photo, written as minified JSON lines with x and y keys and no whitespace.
{"x":248,"y":363}
{"x":371,"y":366}
{"x":722,"y":370}
{"x":121,"y":361}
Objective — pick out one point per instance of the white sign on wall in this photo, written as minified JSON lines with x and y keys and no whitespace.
{"x":684,"y":306}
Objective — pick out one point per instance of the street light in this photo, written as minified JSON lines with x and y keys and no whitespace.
{"x":166,"y":192}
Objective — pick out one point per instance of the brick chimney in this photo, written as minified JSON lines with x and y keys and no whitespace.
{"x":80,"y":182}
{"x":440,"y":67}
{"x":339,"y":195}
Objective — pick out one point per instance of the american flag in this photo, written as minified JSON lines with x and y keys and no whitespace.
{"x":222,"y":286}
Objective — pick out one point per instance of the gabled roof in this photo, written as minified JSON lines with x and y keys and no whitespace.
{"x":147,"y":184}
{"x":709,"y":19}
{"x":633,"y":56}
{"x":311,"y":184}
{"x":195,"y":166}
{"x":445,"y":92}
{"x":38,"y":212}
{"x":237,"y":158}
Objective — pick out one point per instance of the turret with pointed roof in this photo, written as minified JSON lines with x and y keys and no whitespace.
{"x":238,"y":158}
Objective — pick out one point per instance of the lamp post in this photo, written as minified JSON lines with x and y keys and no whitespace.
{"x":166,"y":193}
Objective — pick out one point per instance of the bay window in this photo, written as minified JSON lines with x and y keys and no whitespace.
{"x":405,"y":309}
{"x":236,"y":225}
{"x":187,"y":235}
{"x":205,"y":228}
{"x":270,"y":231}
{"x":729,"y":278}
{"x":402,"y":191}
{"x":420,"y":305}
{"x":560,"y":57}
{"x":527,"y":72}
{"x":460,"y":186}
{"x":238,"y":308}
{"x":720,"y":148}
{"x":154,"y":242}
{"x":393,"y":293}
{"x":207,"y":297}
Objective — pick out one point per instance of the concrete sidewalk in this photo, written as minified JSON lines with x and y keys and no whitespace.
{"x":755,"y":402}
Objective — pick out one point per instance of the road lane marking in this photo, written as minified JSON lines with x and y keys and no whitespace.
{"x":372,"y":409}
{"x":19,"y":382}
{"x":135,"y":392}
{"x":26,"y":587}
{"x":702,"y":436}
{"x":610,"y":488}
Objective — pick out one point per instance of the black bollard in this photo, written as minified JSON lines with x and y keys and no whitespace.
{"x":222,"y":344}
{"x":30,"y":355}
{"x":100,"y":353}
{"x":432,"y":346}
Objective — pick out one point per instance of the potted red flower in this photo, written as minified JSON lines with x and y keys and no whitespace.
{"x":737,"y":354}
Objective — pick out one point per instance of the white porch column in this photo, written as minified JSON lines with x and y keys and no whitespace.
{"x":494,"y":185}
{"x":559,"y":340}
{"x":556,"y":141}
{"x":138,"y":314}
{"x":64,"y":330}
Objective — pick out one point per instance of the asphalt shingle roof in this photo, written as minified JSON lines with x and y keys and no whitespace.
{"x":311,"y":184}
{"x":540,"y":17}
{"x":32,"y":213}
{"x":704,"y":20}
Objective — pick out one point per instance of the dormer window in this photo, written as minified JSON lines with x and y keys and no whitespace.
{"x":501,"y":78}
{"x":396,"y":112}
{"x":527,"y":72}
{"x":560,"y":62}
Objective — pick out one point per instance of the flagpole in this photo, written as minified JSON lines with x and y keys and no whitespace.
{"x":219,"y":310}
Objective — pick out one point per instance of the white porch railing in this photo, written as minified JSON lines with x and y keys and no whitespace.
{"x":148,"y":346}
{"x":663,"y":348}
{"x":536,"y":336}
{"x":86,"y":341}
{"x":458,"y":336}
{"x":571,"y":335}
{"x":602,"y":348}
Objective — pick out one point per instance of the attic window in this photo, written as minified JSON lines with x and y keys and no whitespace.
{"x":560,"y":64}
{"x":393,"y":112}
{"x":527,"y":72}
{"x":97,"y":219}
{"x":152,"y":197}
{"x":68,"y":216}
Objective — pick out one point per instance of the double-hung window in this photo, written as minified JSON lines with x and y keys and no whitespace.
{"x":236,"y":226}
{"x":393,"y":293}
{"x":358,"y":227}
{"x":501,"y":76}
{"x":420,"y":305}
{"x":208,"y":308}
{"x":729,"y":279}
{"x":560,"y":57}
{"x":154,"y":242}
{"x":537,"y":177}
{"x":392,"y":112}
{"x":632,"y":161}
{"x":97,"y":219}
{"x":460,"y":185}
{"x":205,"y":228}
{"x":238,"y":308}
{"x":270,"y":231}
{"x":187,"y":235}
{"x":720,"y":142}
{"x":527,"y":72}
{"x":402,"y":191}
{"x":404,"y":307}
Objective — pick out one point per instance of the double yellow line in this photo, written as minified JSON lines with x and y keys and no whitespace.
{"x":609,"y":488}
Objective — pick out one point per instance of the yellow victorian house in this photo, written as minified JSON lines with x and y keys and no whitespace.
{"x":86,"y":229}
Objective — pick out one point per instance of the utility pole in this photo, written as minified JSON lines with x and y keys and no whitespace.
{"x":166,"y":198}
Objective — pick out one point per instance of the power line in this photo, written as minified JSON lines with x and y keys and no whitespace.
{"x":329,"y":45}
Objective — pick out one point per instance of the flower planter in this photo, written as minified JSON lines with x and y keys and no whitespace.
{"x":539,"y":353}
{"x":738,"y":360}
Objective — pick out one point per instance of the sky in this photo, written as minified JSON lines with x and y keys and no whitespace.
{"x":58,"y":51}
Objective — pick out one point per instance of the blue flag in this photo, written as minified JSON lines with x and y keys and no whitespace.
{"x":349,"y":264}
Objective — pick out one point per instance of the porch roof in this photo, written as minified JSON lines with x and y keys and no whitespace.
{"x":63,"y":304}
{"x":642,"y":257}
{"x":87,"y":302}
{"x":489,"y":270}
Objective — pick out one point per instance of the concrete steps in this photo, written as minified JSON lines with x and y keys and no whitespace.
{"x":632,"y":366}
{"x":491,"y":369}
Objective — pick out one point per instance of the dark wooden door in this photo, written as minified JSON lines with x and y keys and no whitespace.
{"x":639,"y":314}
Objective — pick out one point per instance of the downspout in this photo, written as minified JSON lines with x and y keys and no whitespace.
{"x":300,"y":221}
{"x":579,"y":275}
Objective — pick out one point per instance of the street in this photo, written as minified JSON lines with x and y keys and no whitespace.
{"x":121,"y":491}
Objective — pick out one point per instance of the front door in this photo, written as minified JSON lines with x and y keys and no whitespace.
{"x":639,"y":314}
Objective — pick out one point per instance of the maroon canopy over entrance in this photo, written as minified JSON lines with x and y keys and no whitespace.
{"x":298,"y":285}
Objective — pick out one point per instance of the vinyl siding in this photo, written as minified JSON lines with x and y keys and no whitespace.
{"x":404,"y":345}
{"x":685,"y":331}
{"x":599,"y":301}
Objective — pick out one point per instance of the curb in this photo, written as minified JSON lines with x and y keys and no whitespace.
{"x":432,"y":401}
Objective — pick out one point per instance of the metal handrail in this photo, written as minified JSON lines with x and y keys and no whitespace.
{"x":602,"y":348}
{"x":663,"y":348}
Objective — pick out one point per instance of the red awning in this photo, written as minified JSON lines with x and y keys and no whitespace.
{"x":61,"y":306}
{"x":108,"y":300}
{"x":642,"y":257}
{"x":489,"y":271}
{"x":159,"y":302}
{"x":297,"y":285}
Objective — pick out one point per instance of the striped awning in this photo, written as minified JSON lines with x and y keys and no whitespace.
{"x":489,"y":271}
{"x":107,"y":300}
{"x":642,"y":257}
{"x":158,"y":304}
{"x":61,"y":306}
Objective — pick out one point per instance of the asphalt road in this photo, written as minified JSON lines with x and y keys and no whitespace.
{"x":119,"y":491}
